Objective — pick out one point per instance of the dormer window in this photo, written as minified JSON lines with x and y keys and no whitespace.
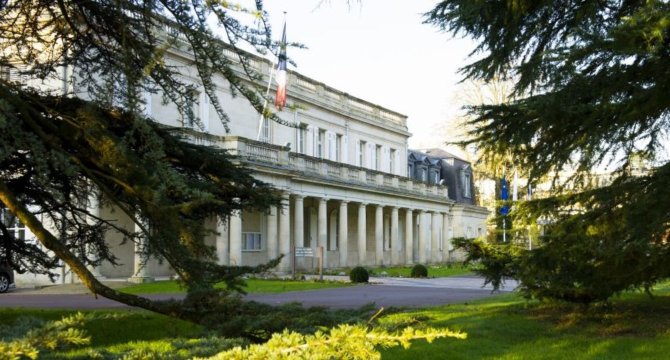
{"x":466,"y":182}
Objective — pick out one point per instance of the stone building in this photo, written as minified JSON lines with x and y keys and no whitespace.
{"x":343,"y":171}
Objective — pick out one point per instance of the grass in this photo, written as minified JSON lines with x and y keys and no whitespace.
{"x":633,"y":326}
{"x":112,"y":330}
{"x":433,"y":270}
{"x":260,"y":286}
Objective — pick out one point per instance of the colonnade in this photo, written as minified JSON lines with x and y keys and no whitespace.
{"x":421,"y":238}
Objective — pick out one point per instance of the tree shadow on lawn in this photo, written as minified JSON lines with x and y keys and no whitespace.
{"x":633,"y":326}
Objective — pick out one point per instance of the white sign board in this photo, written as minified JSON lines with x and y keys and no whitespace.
{"x":304,"y":252}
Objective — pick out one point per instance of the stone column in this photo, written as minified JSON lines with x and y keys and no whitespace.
{"x":285,"y":233}
{"x":423,"y":241}
{"x":444,"y":248}
{"x":235,"y":230}
{"x":140,"y":259}
{"x":409,"y":237}
{"x":343,"y":235}
{"x":271,"y":231}
{"x":298,"y":222}
{"x":93,"y":207}
{"x":395,"y":245}
{"x":362,"y":236}
{"x":435,"y":238}
{"x":322,"y":230}
{"x":222,"y":249}
{"x":379,"y":235}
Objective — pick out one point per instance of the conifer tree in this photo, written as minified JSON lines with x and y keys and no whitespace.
{"x":60,"y":144}
{"x":596,"y":74}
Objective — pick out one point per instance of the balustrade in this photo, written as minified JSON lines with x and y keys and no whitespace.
{"x":258,"y":152}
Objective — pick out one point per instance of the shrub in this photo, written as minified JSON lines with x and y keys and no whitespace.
{"x":359,"y":275}
{"x":419,"y":271}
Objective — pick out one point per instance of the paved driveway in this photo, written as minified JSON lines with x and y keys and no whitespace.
{"x":382,"y":291}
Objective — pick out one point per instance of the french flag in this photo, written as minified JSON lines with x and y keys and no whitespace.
{"x":280,"y":98}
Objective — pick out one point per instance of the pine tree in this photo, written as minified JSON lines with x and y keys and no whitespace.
{"x":58,"y":146}
{"x":596,"y":74}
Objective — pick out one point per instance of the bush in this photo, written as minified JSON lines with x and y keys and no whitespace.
{"x":359,"y":275}
{"x":419,"y":271}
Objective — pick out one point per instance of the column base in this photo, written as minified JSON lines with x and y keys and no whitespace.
{"x":141,"y":279}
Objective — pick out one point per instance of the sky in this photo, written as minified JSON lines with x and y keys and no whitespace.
{"x":380,"y":51}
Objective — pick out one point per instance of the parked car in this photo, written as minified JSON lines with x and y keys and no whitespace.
{"x":6,"y":277}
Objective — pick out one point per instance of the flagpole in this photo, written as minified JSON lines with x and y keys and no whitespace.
{"x":267,"y":93}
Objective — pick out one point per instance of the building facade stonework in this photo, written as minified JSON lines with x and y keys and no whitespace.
{"x":343,"y":171}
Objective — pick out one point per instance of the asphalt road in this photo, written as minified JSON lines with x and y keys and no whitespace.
{"x":382,"y":292}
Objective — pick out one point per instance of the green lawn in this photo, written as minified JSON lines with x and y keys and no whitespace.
{"x":508,"y":327}
{"x":634,"y":326}
{"x":253,"y":286}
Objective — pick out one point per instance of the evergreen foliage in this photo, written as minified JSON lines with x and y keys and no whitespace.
{"x":419,"y":271}
{"x":28,"y":336}
{"x":342,"y":342}
{"x":594,"y":80}
{"x":58,"y":150}
{"x":359,"y":274}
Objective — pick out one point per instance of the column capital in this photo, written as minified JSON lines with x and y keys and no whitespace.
{"x":324,"y":199}
{"x":344,"y":202}
{"x":298,"y":196}
{"x":362,"y":204}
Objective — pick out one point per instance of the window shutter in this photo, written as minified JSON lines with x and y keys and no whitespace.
{"x":204,"y":110}
{"x":358,"y":154}
{"x":370,"y":156}
{"x":345,"y":149}
{"x":331,"y":146}
{"x":315,"y":141}
{"x":310,"y":143}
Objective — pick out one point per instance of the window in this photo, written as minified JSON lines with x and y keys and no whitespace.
{"x":467,"y":191}
{"x":300,"y":139}
{"x":378,"y":158}
{"x":203,"y":107}
{"x":361,"y":153}
{"x":192,"y":103}
{"x":14,"y":73}
{"x":331,"y":145}
{"x":410,"y":171}
{"x":251,"y":241}
{"x":338,"y":148}
{"x":372,"y":157}
{"x":266,"y":130}
{"x":13,"y":225}
{"x":392,"y":161}
{"x":424,"y":175}
{"x":436,"y":177}
{"x":320,"y":143}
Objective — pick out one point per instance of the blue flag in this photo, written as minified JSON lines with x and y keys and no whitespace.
{"x":504,"y":210}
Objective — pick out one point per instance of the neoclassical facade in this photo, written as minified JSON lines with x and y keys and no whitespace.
{"x":343,"y":171}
